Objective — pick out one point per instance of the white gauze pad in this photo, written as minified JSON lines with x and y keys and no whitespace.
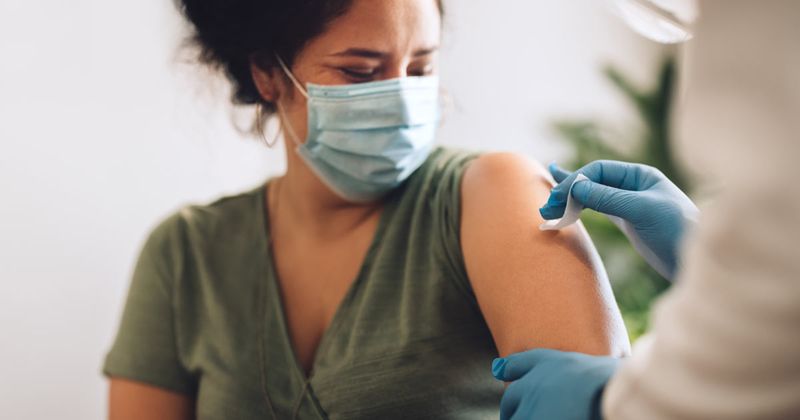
{"x":571,"y":214}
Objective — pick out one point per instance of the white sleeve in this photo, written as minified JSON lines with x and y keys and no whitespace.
{"x":725,"y":342}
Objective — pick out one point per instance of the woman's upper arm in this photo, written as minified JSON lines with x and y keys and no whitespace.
{"x":535,"y":289}
{"x":129,"y":400}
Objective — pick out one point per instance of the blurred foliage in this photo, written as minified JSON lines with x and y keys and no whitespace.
{"x":635,"y":284}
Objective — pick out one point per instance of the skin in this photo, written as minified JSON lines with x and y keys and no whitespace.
{"x":130,"y":400}
{"x":535,"y":289}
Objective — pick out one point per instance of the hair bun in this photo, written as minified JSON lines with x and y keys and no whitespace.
{"x":230,"y":32}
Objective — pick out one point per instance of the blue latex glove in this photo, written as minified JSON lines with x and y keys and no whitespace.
{"x":645,"y":204}
{"x":551,"y":384}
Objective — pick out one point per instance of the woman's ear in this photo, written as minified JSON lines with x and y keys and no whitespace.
{"x":267,"y":80}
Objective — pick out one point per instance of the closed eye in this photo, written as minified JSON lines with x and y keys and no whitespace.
{"x":423,"y":71}
{"x":358,"y":75}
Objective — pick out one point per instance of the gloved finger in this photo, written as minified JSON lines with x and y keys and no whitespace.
{"x":608,"y":200}
{"x":559,"y":173}
{"x":550,"y":211}
{"x":557,"y":202}
{"x":513,"y":367}
{"x":621,"y":175}
{"x":511,"y":400}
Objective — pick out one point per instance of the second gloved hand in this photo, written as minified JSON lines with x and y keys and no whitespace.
{"x":552,"y":384}
{"x":651,"y":210}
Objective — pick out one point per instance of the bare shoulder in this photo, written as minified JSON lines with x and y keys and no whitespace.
{"x":506,"y":171}
{"x":502,"y":192}
{"x":535,"y":288}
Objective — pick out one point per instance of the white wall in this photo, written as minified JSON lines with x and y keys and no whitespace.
{"x":103,"y":132}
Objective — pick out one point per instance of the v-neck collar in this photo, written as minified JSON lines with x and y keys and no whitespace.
{"x":271,"y":277}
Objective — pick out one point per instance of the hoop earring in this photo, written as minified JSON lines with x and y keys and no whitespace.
{"x":261,"y":122}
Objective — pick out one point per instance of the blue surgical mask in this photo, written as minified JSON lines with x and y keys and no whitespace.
{"x":365,"y":139}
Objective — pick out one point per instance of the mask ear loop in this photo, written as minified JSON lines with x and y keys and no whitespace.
{"x":281,"y":112}
{"x":291,"y":77}
{"x":285,"y":122}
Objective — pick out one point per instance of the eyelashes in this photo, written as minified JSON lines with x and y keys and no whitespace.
{"x":358,"y":74}
{"x":366,"y":75}
{"x":424,"y":71}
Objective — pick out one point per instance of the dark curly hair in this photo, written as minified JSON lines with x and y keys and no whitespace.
{"x":231,"y":33}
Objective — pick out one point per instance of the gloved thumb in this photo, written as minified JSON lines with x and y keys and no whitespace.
{"x":605,"y":199}
{"x":515,"y":366}
{"x":558,"y":173}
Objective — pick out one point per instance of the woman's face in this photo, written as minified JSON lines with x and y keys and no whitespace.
{"x":374,"y":40}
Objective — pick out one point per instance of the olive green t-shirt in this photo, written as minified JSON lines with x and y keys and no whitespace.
{"x":204,"y":316}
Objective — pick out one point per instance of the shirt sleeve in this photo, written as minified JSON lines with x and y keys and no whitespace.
{"x":447,"y":213}
{"x":725,"y":339}
{"x":145,"y":349}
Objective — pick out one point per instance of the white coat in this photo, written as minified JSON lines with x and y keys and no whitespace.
{"x":725,"y":342}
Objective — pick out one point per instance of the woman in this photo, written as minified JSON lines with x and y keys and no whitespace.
{"x":379,"y":276}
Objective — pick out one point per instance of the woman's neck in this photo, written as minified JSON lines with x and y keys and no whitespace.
{"x":303,"y":202}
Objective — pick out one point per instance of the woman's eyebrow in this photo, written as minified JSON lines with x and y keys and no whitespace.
{"x":368,"y":53}
{"x":361,"y":52}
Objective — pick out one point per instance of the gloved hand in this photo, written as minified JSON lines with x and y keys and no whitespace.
{"x":651,"y":211}
{"x":551,"y":384}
